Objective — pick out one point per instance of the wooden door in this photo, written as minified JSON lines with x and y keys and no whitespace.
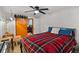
{"x":21,"y":26}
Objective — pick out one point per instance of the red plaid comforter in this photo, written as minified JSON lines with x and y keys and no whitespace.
{"x":48,"y":43}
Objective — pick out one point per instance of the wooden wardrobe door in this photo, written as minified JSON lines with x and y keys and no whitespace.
{"x":21,"y":26}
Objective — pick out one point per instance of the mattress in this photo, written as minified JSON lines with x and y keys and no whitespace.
{"x":48,"y":43}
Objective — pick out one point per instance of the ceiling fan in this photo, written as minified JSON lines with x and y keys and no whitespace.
{"x":37,"y":9}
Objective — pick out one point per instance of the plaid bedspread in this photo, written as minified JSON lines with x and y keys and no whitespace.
{"x":48,"y":43}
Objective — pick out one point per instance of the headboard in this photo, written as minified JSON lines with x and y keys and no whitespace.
{"x":63,"y":30}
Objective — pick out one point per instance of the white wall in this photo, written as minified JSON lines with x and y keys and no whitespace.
{"x":11,"y":27}
{"x":37,"y":25}
{"x":67,"y":17}
{"x":2,"y":22}
{"x":1,"y":28}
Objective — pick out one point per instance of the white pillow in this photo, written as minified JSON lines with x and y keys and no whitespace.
{"x":55,"y":30}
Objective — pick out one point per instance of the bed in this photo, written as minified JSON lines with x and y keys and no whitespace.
{"x":62,"y":40}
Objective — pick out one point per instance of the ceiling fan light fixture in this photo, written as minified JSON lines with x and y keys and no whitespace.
{"x":36,"y":12}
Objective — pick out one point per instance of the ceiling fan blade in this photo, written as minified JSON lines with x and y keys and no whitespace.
{"x":42,"y":12}
{"x":44,"y":9}
{"x":32,"y":7}
{"x":29,"y":11}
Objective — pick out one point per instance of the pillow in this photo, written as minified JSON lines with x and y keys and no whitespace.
{"x":55,"y":30}
{"x":49,"y":29}
{"x":65,"y":31}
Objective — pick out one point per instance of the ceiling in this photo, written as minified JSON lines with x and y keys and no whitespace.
{"x":20,"y":10}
